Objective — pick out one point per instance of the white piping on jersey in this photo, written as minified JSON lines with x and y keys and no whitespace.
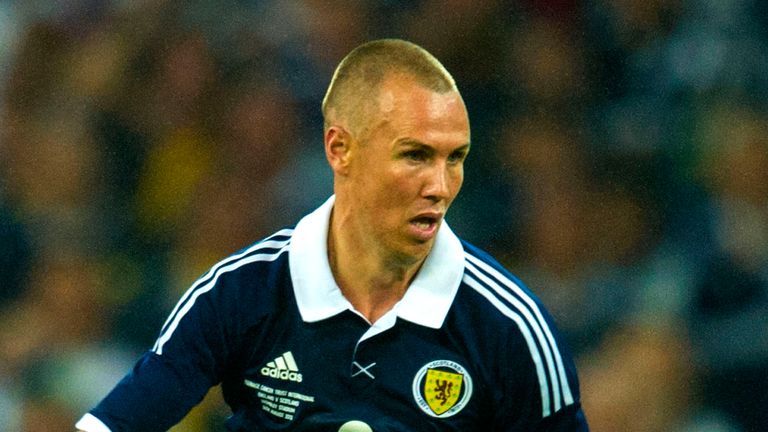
{"x":539,"y":326}
{"x":518,"y":306}
{"x":266,"y":243}
{"x":567,"y":394}
{"x":205,"y":284}
{"x":535,"y":355}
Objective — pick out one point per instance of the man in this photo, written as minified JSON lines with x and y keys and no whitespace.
{"x":370,"y":314}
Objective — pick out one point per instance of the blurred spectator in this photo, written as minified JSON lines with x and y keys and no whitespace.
{"x":638,"y":381}
{"x":729,"y":310}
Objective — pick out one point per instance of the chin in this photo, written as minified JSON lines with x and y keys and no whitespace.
{"x":414,"y":252}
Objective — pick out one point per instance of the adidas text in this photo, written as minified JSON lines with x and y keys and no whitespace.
{"x":281,"y":374}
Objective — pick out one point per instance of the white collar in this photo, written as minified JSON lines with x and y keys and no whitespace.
{"x":426,"y":302}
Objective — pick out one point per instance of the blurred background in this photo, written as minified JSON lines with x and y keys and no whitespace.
{"x":619,"y":167}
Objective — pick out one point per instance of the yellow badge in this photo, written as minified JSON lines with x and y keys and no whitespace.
{"x":442,"y":390}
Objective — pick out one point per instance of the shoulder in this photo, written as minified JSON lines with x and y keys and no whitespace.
{"x":254,"y":278}
{"x":259,"y":260}
{"x":238,"y":290}
{"x":254,"y":268}
{"x":501,"y":290}
{"x":507,"y":309}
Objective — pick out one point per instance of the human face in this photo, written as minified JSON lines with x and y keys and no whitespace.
{"x":406,"y":170}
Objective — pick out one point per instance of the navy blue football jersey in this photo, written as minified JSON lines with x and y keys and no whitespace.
{"x":468,"y":348}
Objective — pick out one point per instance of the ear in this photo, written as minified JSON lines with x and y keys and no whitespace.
{"x":338,"y":146}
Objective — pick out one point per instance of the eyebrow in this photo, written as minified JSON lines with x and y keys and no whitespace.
{"x":410,"y":142}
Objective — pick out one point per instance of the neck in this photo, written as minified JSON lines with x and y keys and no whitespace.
{"x":371,"y":279}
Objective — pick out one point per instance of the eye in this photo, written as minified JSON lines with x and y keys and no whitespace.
{"x":457,"y":156}
{"x":415,"y":155}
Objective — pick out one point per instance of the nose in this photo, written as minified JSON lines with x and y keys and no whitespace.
{"x":438,"y":183}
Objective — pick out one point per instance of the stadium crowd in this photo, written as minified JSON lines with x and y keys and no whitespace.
{"x":619,"y":167}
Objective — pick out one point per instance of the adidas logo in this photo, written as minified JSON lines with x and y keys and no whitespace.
{"x":283,"y":367}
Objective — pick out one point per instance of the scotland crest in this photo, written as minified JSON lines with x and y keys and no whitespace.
{"x":442,"y":388}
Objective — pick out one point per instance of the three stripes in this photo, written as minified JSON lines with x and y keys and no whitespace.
{"x":208,"y":280}
{"x":516,"y":304}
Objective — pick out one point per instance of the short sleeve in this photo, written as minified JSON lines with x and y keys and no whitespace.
{"x":188,"y":358}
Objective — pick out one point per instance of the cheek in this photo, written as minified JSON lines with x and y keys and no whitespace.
{"x":406,"y":183}
{"x":385,"y":190}
{"x":393,"y":194}
{"x":456,"y":179}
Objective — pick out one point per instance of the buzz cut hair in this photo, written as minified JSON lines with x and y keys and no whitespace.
{"x":354,"y":87}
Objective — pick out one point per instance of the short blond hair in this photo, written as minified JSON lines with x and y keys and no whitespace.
{"x":356,"y":81}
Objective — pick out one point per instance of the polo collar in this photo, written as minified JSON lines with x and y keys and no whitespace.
{"x":426,"y":302}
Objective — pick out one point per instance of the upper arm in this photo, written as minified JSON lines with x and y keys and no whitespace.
{"x":190,"y":356}
{"x":540,"y":383}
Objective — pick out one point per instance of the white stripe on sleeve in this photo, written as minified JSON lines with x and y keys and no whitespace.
{"x":267,"y":243}
{"x":567,"y":394}
{"x":534,"y":350}
{"x":196,"y":291}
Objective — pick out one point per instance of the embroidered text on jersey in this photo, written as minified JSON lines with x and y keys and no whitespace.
{"x":283,"y":367}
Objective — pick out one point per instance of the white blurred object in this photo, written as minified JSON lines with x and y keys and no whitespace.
{"x":355,"y":426}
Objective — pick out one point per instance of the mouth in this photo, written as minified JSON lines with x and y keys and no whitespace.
{"x":425,"y":226}
{"x":424,"y":222}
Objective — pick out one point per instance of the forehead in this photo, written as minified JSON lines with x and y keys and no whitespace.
{"x":406,"y":107}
